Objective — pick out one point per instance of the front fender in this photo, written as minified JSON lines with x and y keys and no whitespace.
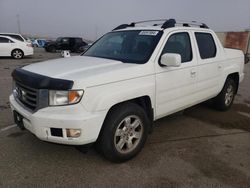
{"x":103,"y":97}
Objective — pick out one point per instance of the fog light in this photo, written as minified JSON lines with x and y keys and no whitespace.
{"x":73,"y":133}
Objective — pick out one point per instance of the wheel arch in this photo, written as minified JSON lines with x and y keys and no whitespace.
{"x":144,"y":102}
{"x":234,"y":76}
{"x":16,"y":49}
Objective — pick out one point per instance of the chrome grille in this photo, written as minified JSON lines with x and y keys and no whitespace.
{"x":26,"y":95}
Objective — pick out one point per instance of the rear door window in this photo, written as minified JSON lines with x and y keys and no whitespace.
{"x":4,"y":40}
{"x":206,"y":45}
{"x":65,"y":40}
{"x":17,"y":37}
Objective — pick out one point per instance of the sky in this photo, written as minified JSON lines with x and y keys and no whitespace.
{"x":90,"y":19}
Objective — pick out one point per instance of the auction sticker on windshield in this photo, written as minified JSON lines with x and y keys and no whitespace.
{"x":152,"y":33}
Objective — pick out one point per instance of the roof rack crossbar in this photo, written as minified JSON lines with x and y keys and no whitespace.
{"x":167,"y":23}
{"x":172,"y":22}
{"x":123,"y":26}
{"x":145,"y":21}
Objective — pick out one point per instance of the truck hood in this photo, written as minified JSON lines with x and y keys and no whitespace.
{"x":88,"y":71}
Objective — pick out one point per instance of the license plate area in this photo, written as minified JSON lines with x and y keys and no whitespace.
{"x":18,"y":118}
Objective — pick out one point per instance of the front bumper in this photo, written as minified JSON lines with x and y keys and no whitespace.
{"x":63,"y":117}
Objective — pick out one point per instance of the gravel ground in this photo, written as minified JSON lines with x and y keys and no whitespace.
{"x":199,"y":147}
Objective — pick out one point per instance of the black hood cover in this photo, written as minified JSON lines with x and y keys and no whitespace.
{"x":39,"y":81}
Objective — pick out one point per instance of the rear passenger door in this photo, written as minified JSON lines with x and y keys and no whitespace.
{"x":209,"y":65}
{"x":6,"y":46}
{"x":176,"y":86}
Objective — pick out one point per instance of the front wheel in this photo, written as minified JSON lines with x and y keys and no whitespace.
{"x":226,"y":97}
{"x":124,"y":133}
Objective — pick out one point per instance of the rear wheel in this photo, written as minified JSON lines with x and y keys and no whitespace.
{"x":51,"y":49}
{"x":124,"y":133}
{"x":17,"y":54}
{"x":226,"y":97}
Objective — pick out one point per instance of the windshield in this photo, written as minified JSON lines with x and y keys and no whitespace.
{"x":126,"y":46}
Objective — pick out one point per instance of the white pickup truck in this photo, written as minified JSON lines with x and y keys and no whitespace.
{"x":111,"y":94}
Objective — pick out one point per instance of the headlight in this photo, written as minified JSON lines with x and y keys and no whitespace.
{"x":64,"y":97}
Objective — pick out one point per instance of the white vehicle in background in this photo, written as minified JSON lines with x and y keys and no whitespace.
{"x":14,"y":48}
{"x":15,"y":36}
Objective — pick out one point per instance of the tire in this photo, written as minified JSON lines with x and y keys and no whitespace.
{"x":124,"y":132}
{"x":77,"y":50}
{"x":225,"y":99}
{"x":17,"y":54}
{"x":51,"y":49}
{"x":81,"y":49}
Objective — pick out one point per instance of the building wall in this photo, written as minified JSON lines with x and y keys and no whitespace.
{"x":222,"y":37}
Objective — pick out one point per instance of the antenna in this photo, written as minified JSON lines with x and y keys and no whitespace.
{"x":18,"y":23}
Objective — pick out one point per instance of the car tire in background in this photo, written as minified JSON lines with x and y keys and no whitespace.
{"x":225,"y":99}
{"x":51,"y":49}
{"x":124,"y":132}
{"x":17,"y":54}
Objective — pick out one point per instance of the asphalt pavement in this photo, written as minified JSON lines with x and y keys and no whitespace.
{"x":199,"y":147}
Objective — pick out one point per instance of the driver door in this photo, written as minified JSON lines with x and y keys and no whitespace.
{"x":176,"y":86}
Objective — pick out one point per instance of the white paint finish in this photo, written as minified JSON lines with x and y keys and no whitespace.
{"x":90,"y":71}
{"x":109,"y":82}
{"x":209,"y":70}
{"x":102,"y":98}
{"x":74,"y":116}
{"x":174,"y":85}
{"x":6,"y":48}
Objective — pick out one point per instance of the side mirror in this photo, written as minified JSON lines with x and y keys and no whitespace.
{"x":170,"y":60}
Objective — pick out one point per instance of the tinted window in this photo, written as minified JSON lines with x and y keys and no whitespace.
{"x":65,"y":40}
{"x":4,"y":40}
{"x":179,"y":43}
{"x":59,"y":39}
{"x":78,"y":40}
{"x":17,"y":37}
{"x":206,"y":45}
{"x":39,"y":42}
